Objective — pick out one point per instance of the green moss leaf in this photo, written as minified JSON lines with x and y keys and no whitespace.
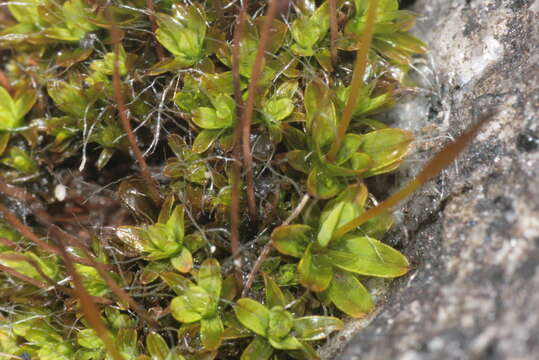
{"x":286,"y":343}
{"x":183,"y":262}
{"x":387,"y":148}
{"x":211,"y":331}
{"x":367,"y":256}
{"x":12,"y":111}
{"x":274,"y":295}
{"x":258,"y":349}
{"x":321,"y":184}
{"x":253,"y":315}
{"x":156,"y":346}
{"x":347,"y":206}
{"x":312,"y":328}
{"x":209,"y":277}
{"x":178,"y":283}
{"x":190,"y":306}
{"x":89,"y":339}
{"x":298,"y":160}
{"x":204,"y":140}
{"x":280,"y":323}
{"x":183,"y":33}
{"x":349,"y":295}
{"x":291,"y":240}
{"x":315,"y":271}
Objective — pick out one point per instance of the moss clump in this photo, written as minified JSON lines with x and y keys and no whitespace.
{"x":157,"y":164}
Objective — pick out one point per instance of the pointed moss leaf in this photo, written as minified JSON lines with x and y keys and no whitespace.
{"x":183,"y":262}
{"x":315,"y":272}
{"x":322,"y":185}
{"x":286,"y":343}
{"x":386,"y":147}
{"x":68,"y":97}
{"x":166,"y":207}
{"x":291,"y":240}
{"x":183,"y":33}
{"x":330,"y":224}
{"x":18,"y":159}
{"x":190,"y":306}
{"x":302,"y":35}
{"x":25,"y":12}
{"x":312,"y":328}
{"x":278,"y":109}
{"x":89,"y":339}
{"x":274,"y":295}
{"x":211,"y":331}
{"x":377,"y":226}
{"x":278,"y":32}
{"x":225,"y":108}
{"x":156,"y":346}
{"x":350,"y":145}
{"x":307,"y":31}
{"x":253,"y":315}
{"x":295,"y":138}
{"x":349,"y":169}
{"x":13,"y":111}
{"x":207,"y":118}
{"x":60,"y":351}
{"x":323,"y":56}
{"x":306,"y":352}
{"x":321,"y":115}
{"x":218,"y":83}
{"x":174,"y":354}
{"x":367,"y":256}
{"x":229,"y":288}
{"x":204,"y":140}
{"x":280,"y":323}
{"x":287,"y":89}
{"x":209,"y":277}
{"x":178,"y":283}
{"x":176,"y":223}
{"x":258,"y":349}
{"x":160,"y":242}
{"x":298,"y":160}
{"x":127,"y":341}
{"x":347,"y":206}
{"x":360,"y":162}
{"x":24,"y":101}
{"x":349,"y":295}
{"x":4,"y":140}
{"x":405,"y":41}
{"x":194,"y":241}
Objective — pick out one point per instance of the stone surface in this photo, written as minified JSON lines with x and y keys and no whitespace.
{"x":472,"y":234}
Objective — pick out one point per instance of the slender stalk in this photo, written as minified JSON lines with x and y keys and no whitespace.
{"x":247,"y":114}
{"x":357,"y":79}
{"x":27,"y":233}
{"x":108,"y":279}
{"x":236,"y":164}
{"x":333,"y":28}
{"x":124,"y":117}
{"x":88,"y":307}
{"x":440,"y":161}
{"x":45,"y":286}
{"x":18,"y":275}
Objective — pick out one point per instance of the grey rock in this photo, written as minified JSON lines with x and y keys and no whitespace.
{"x":472,"y":234}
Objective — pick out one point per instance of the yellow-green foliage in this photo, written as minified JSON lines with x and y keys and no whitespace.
{"x":59,"y":114}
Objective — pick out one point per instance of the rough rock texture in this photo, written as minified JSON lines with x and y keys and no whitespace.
{"x":472,"y":235}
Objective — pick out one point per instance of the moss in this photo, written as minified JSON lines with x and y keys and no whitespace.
{"x":185,"y":171}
